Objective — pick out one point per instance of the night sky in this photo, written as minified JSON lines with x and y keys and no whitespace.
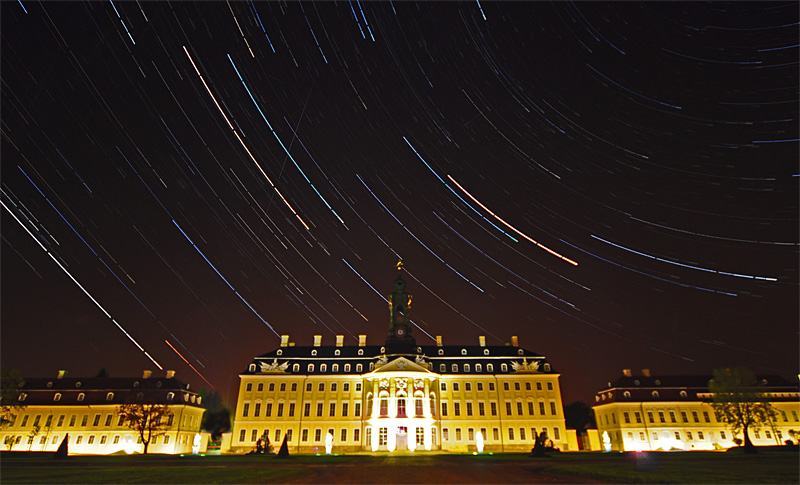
{"x":614,"y":183}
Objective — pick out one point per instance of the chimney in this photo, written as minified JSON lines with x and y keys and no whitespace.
{"x":646,"y":372}
{"x":146,"y":374}
{"x":170,"y":374}
{"x":61,"y":374}
{"x":317,"y":340}
{"x":339,"y":340}
{"x":362,"y":340}
{"x":626,"y":372}
{"x":515,"y":341}
{"x":284,"y":340}
{"x":439,"y":341}
{"x":482,"y":340}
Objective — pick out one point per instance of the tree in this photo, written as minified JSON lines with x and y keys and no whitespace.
{"x":149,"y":420}
{"x":10,"y":383}
{"x":579,"y":416}
{"x":739,"y":402}
{"x":217,"y":418}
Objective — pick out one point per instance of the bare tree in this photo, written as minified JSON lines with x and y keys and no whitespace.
{"x":10,"y":383}
{"x":740,"y":402}
{"x":149,"y":420}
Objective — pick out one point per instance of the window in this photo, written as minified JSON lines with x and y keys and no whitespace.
{"x":280,"y":409}
{"x":553,"y":409}
{"x":722,"y":435}
{"x":108,"y":420}
{"x":794,"y":415}
{"x":357,"y":410}
{"x":334,"y":386}
{"x":456,"y":409}
{"x":442,"y":368}
{"x":678,"y":435}
{"x":91,"y":439}
{"x":549,"y":386}
{"x":504,"y":367}
{"x":268,"y":412}
{"x":260,"y":386}
{"x":102,"y":439}
{"x":310,"y":368}
{"x":707,"y":419}
{"x":496,"y":434}
{"x":508,"y":408}
{"x":700,"y":436}
{"x":382,"y":434}
{"x":170,"y":419}
{"x":493,"y":406}
{"x":556,"y":434}
{"x":469,"y":409}
{"x":384,"y":406}
{"x":650,"y":416}
{"x":254,"y":435}
{"x":672,"y":417}
{"x":321,"y":387}
{"x":304,"y":435}
{"x":466,"y":367}
{"x":627,"y":417}
{"x":308,"y":387}
{"x":455,"y":386}
{"x":257,"y":410}
{"x":418,"y":406}
{"x":306,"y":409}
{"x":277,"y":436}
{"x":489,"y":367}
{"x":689,"y":436}
{"x":458,"y":434}
{"x":538,"y":386}
{"x":71,"y":420}
{"x":510,"y":432}
{"x":248,"y":387}
{"x":530,"y":408}
{"x":347,"y":367}
{"x":332,"y":409}
{"x":319,"y":409}
{"x":541,"y":408}
{"x":444,"y":408}
{"x":661,"y":417}
{"x":506,"y":386}
{"x":769,"y":436}
{"x":445,"y":434}
{"x":478,"y":368}
{"x":454,"y":367}
{"x":468,"y":386}
{"x":81,"y":396}
{"x":519,"y":408}
{"x":78,"y":441}
{"x":166,"y":438}
{"x":283,"y":387}
{"x":344,"y":410}
{"x":84,"y":420}
{"x":358,"y":387}
{"x":357,"y":435}
{"x":480,"y":387}
{"x":323,"y":368}
{"x":245,"y":409}
{"x":343,"y":436}
{"x":359,"y":367}
{"x":695,"y":417}
{"x":491,"y":386}
{"x":96,"y":420}
{"x":291,"y":409}
{"x":637,"y":416}
{"x":522,"y":434}
{"x":346,"y":387}
{"x":527,"y":386}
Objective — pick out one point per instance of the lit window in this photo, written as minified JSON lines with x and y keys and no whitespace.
{"x":722,"y":435}
{"x":57,"y":397}
{"x":689,"y":436}
{"x":347,"y":367}
{"x":335,"y":368}
{"x":310,"y":368}
{"x":323,"y":368}
{"x":510,"y":434}
{"x":490,"y":368}
{"x":296,"y":368}
{"x":678,"y":435}
{"x":458,"y":434}
{"x":81,"y":396}
{"x":358,"y":387}
{"x":504,"y":367}
{"x":170,"y":396}
{"x":626,"y":394}
{"x":260,"y":387}
{"x":700,"y":436}
{"x":655,"y":394}
{"x":359,"y":367}
{"x":549,"y":386}
{"x":478,"y":368}
{"x":445,"y":434}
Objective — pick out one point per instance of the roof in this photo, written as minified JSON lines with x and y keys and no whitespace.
{"x":283,"y":358}
{"x":105,"y":390}
{"x":683,"y":388}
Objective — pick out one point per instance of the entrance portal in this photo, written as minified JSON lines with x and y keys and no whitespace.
{"x":401,"y":442}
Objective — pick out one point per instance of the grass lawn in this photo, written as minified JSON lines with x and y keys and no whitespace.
{"x":654,"y":467}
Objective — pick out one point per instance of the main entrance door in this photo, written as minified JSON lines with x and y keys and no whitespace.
{"x":401,"y":438}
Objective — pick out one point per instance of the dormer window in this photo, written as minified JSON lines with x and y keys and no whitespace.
{"x":314,"y":352}
{"x":310,"y":368}
{"x":50,"y":384}
{"x":504,"y":367}
{"x":485,"y":351}
{"x":22,"y":396}
{"x":520,"y":352}
{"x":683,"y":394}
{"x":279,"y":352}
{"x":383,"y":350}
{"x":489,"y":367}
{"x":252,"y":368}
{"x":323,"y":368}
{"x":170,"y":396}
{"x":296,"y":368}
{"x":109,"y":396}
{"x":78,"y":384}
{"x":441,"y":351}
{"x":140,"y":396}
{"x":136,"y":384}
{"x":57,"y":397}
{"x":337,"y":352}
{"x":627,"y":394}
{"x":81,"y":396}
{"x":360,"y":351}
{"x":463,"y":351}
{"x":655,"y":393}
{"x":547,"y":367}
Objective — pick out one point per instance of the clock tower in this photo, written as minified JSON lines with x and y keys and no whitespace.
{"x":400,"y":314}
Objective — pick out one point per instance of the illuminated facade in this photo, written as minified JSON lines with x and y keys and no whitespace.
{"x":86,"y":409}
{"x":674,"y":412}
{"x":399,"y":396}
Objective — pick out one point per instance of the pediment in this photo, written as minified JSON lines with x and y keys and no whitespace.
{"x":399,"y":364}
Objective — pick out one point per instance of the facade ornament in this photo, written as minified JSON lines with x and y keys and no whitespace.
{"x":525,"y":366}
{"x":401,"y":384}
{"x":274,"y":366}
{"x":382,"y":360}
{"x":419,"y":384}
{"x":401,"y":364}
{"x":420,"y":360}
{"x":384,"y":384}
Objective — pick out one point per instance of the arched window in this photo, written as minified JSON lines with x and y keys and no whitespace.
{"x":401,"y":406}
{"x":478,"y":368}
{"x":170,"y":396}
{"x":109,"y":396}
{"x":252,"y":368}
{"x":310,"y":368}
{"x":296,"y":368}
{"x":359,"y":367}
{"x":337,"y":352}
{"x":369,"y":404}
{"x":547,"y":367}
{"x":504,"y":367}
{"x":360,"y":351}
{"x":454,"y":367}
{"x":627,"y":394}
{"x":347,"y":367}
{"x":418,"y":404}
{"x":683,"y":393}
{"x":57,"y":397}
{"x":314,"y":352}
{"x":466,"y":367}
{"x":655,"y":393}
{"x":335,"y":368}
{"x":485,"y":351}
{"x":372,"y":366}
{"x":279,"y":352}
{"x":441,"y":351}
{"x":384,"y":405}
{"x":81,"y":396}
{"x":442,"y":368}
{"x":489,"y":368}
{"x":323,"y":368}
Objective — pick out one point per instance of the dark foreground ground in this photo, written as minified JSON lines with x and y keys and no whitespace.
{"x":685,"y":467}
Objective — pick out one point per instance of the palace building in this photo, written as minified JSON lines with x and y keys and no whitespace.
{"x":646,"y":412}
{"x":85,"y":411}
{"x":399,"y":395}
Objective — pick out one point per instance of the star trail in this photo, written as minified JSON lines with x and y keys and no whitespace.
{"x":614,"y":183}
